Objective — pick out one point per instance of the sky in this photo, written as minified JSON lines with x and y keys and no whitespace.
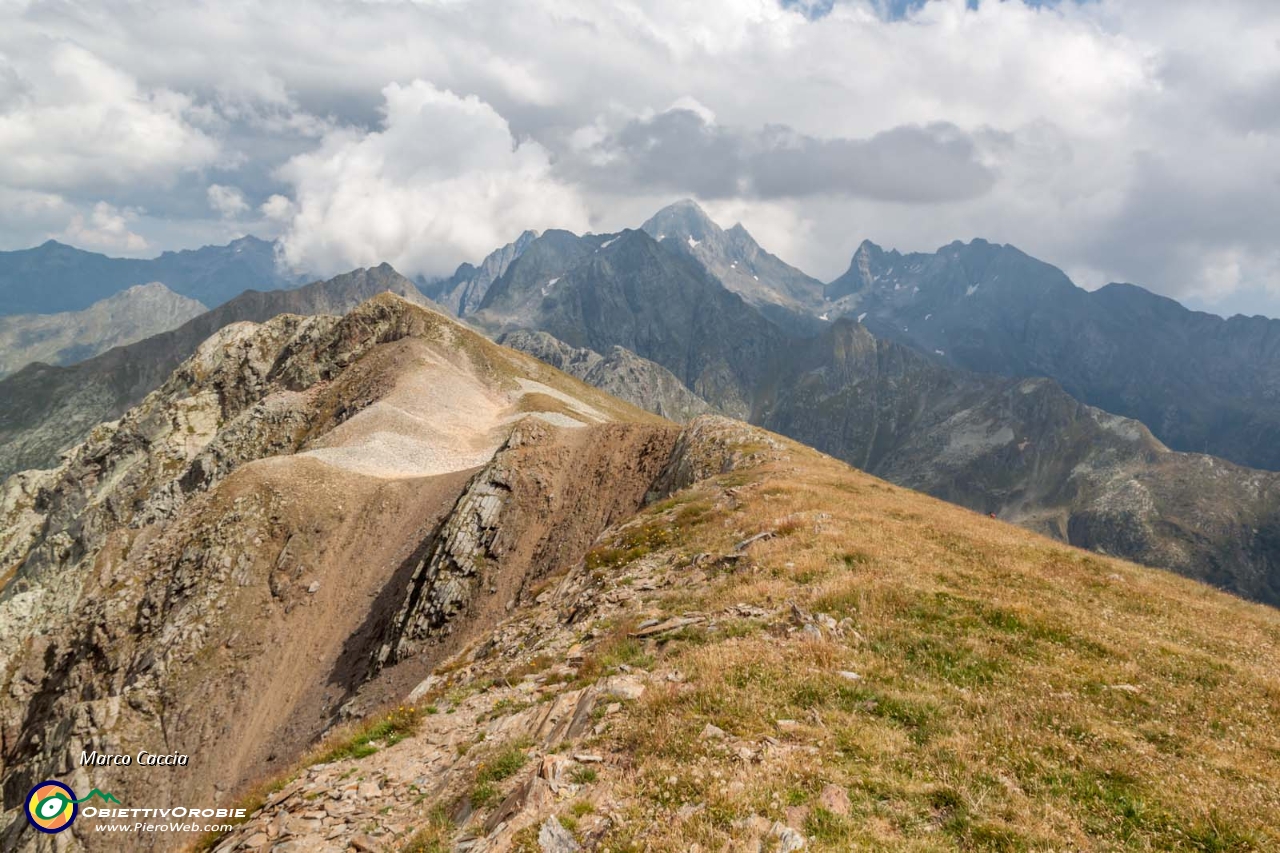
{"x":1122,"y":141}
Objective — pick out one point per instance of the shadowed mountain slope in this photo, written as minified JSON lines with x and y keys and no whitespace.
{"x":625,"y":290}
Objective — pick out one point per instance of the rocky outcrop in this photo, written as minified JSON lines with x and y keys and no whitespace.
{"x":540,"y":501}
{"x":620,"y":372}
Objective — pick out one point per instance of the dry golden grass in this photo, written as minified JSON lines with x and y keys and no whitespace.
{"x":1015,"y":693}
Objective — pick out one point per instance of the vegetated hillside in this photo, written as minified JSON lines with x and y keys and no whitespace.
{"x":53,"y":277}
{"x":405,"y":589}
{"x":306,"y":514}
{"x":131,"y":315}
{"x":789,"y":654}
{"x":1200,"y":383}
{"x":44,"y":410}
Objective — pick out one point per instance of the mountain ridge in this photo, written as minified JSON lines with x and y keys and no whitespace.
{"x":1201,"y":382}
{"x":55,"y":277}
{"x":123,"y":318}
{"x":48,"y":408}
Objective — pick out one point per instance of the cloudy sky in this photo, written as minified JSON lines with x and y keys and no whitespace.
{"x":1131,"y":140}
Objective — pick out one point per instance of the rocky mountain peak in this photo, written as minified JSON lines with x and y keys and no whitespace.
{"x":684,"y":219}
{"x":734,"y":258}
{"x":868,"y":249}
{"x":526,"y":237}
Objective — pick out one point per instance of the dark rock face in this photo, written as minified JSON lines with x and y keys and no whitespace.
{"x":44,"y":409}
{"x":1201,"y":383}
{"x":626,"y":290}
{"x":53,"y":277}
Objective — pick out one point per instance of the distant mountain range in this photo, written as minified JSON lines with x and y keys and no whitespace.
{"x":1201,"y":383}
{"x":977,"y":374}
{"x":54,"y":278}
{"x":1022,"y":449}
{"x":130,"y":315}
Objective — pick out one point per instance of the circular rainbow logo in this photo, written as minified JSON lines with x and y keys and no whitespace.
{"x":51,"y":806}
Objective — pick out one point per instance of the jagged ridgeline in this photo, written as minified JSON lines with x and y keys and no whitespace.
{"x":394,"y":586}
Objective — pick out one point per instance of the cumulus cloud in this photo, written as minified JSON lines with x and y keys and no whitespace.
{"x":77,"y":121}
{"x":277,"y":208}
{"x":104,"y":227}
{"x":227,"y":201}
{"x":442,"y":181}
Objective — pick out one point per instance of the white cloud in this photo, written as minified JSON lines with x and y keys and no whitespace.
{"x":441,"y":182}
{"x":277,"y":208}
{"x":80,"y":122}
{"x":227,"y":201}
{"x":105,"y":227}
